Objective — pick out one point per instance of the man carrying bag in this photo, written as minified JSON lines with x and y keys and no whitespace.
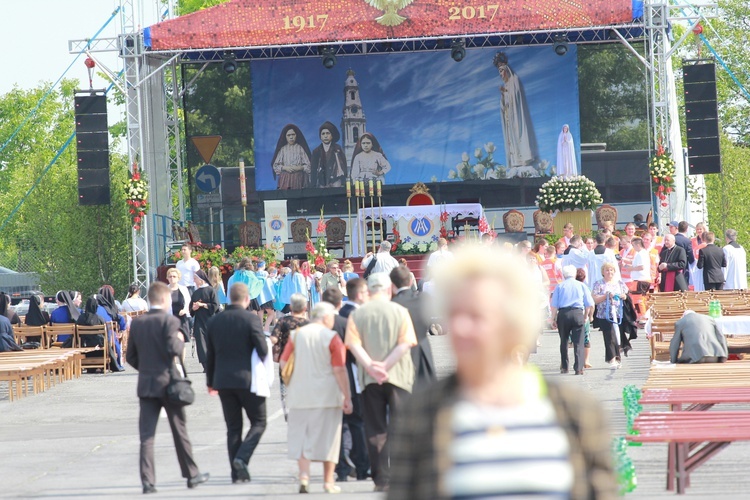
{"x":155,"y":342}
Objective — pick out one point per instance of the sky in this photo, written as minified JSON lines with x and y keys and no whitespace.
{"x":424,"y":108}
{"x":34,"y":35}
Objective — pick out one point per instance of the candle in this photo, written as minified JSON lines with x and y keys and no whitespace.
{"x":356,"y":188}
{"x":348,"y":188}
{"x":372,"y":187}
{"x":362,"y":188}
{"x":379,"y":185}
{"x":243,"y":188}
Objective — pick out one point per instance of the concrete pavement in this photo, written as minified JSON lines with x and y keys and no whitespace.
{"x":80,"y":439}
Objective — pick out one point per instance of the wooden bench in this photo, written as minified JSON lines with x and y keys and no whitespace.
{"x":693,"y":438}
{"x":41,"y":369}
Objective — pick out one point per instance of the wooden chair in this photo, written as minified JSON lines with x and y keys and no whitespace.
{"x":336,"y":234}
{"x":513,"y":221}
{"x":301,"y":230}
{"x":420,"y":195}
{"x":459,"y":222}
{"x":193,"y":234}
{"x":606,"y":213}
{"x":52,"y":333}
{"x":250,"y":234}
{"x":83,"y":332}
{"x":21,"y":334}
{"x":543,"y":223}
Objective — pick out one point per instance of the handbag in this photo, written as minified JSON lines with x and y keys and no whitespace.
{"x":179,"y":389}
{"x":288,"y":370}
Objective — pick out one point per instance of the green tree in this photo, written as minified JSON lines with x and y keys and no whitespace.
{"x":70,"y":246}
{"x":188,"y":6}
{"x":613,"y":101}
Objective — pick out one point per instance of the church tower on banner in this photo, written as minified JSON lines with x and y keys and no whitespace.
{"x":353,"y":121}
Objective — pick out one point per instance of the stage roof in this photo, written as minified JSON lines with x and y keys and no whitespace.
{"x":288,"y":23}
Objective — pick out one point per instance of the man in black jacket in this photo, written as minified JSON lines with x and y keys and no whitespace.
{"x":421,"y":354}
{"x":354,"y":460}
{"x":155,"y":341}
{"x":232,"y":336}
{"x":682,"y":241}
{"x":712,"y":259}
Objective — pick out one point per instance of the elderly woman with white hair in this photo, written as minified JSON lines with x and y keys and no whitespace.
{"x":317,"y":392}
{"x":497,"y":427}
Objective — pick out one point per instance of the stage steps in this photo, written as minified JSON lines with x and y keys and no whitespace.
{"x":417,"y":264}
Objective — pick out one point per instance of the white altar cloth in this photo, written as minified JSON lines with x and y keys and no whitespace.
{"x":419,"y":223}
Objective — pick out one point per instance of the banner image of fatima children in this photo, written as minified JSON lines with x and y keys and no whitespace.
{"x":403,"y":118}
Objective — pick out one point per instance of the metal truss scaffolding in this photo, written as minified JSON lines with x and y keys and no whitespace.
{"x":153,"y":88}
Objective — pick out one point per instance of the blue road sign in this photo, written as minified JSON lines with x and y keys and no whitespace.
{"x":208,"y":178}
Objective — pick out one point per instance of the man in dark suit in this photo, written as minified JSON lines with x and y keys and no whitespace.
{"x":672,"y":261}
{"x":356,"y":292}
{"x":712,"y":259}
{"x":421,"y":354}
{"x":154,"y":343}
{"x":682,"y":241}
{"x":231,"y":338}
{"x":355,"y":460}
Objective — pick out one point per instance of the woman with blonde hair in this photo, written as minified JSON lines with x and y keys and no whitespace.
{"x":215,"y":281}
{"x":698,"y":242}
{"x":348,"y":269}
{"x":317,"y":392}
{"x":446,"y":442}
{"x":180,"y":301}
{"x":609,"y":294}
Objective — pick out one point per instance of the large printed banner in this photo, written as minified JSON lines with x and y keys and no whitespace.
{"x":403,"y":118}
{"x":256,"y":23}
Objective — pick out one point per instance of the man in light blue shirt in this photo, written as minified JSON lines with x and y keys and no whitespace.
{"x":571,"y":303}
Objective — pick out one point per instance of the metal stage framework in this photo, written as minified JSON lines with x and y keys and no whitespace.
{"x":152,"y":86}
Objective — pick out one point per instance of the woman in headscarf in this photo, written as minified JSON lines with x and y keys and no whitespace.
{"x":5,"y":309}
{"x":65,"y":313}
{"x":35,"y":316}
{"x":92,"y":316}
{"x":203,"y":305}
{"x":109,"y":310}
{"x":368,"y":160}
{"x":7,"y":341}
{"x":566,"y":154}
{"x":328,"y":159}
{"x":291,"y":160}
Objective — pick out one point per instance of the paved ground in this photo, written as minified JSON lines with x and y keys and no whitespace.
{"x":80,"y":440}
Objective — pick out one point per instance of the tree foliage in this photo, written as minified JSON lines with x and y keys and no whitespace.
{"x":71,"y":247}
{"x":613,"y":101}
{"x":188,"y":6}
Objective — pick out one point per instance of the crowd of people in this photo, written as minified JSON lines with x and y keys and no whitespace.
{"x":601,"y":281}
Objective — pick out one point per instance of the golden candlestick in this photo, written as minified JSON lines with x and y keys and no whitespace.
{"x":349,"y":210}
{"x":371,"y":185}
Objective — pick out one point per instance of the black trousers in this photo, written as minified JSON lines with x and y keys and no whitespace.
{"x":713,"y":286}
{"x":381,"y":403}
{"x":233,"y":401}
{"x":570,"y":322}
{"x":354,"y":427}
{"x":150,"y":409}
{"x":611,"y":349}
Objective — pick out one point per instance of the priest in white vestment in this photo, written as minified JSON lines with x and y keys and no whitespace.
{"x":518,"y":131}
{"x":736,"y":271}
{"x":567,"y":166}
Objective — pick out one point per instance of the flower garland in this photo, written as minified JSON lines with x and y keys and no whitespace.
{"x":136,"y":192}
{"x":661,"y":168}
{"x":317,"y":254}
{"x":568,"y":193}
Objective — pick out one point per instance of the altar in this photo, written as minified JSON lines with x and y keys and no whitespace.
{"x":416,"y":224}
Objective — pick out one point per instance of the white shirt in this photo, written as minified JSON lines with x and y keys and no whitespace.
{"x":439,"y":256}
{"x":736,"y":270}
{"x":134,"y":304}
{"x":385,"y":263}
{"x":188,"y":269}
{"x":642,"y":258}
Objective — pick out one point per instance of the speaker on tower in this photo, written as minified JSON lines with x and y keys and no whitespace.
{"x":92,"y":141}
{"x":701,"y":118}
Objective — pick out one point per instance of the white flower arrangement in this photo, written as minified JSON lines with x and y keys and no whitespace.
{"x":485,"y":168}
{"x":568,"y":193}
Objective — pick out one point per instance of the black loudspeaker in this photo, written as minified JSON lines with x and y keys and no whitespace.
{"x":702,"y":119}
{"x":92,"y":141}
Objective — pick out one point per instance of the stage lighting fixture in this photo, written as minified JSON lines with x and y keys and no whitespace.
{"x":458,"y":51}
{"x":230,"y":63}
{"x":560,"y":45}
{"x":329,"y":57}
